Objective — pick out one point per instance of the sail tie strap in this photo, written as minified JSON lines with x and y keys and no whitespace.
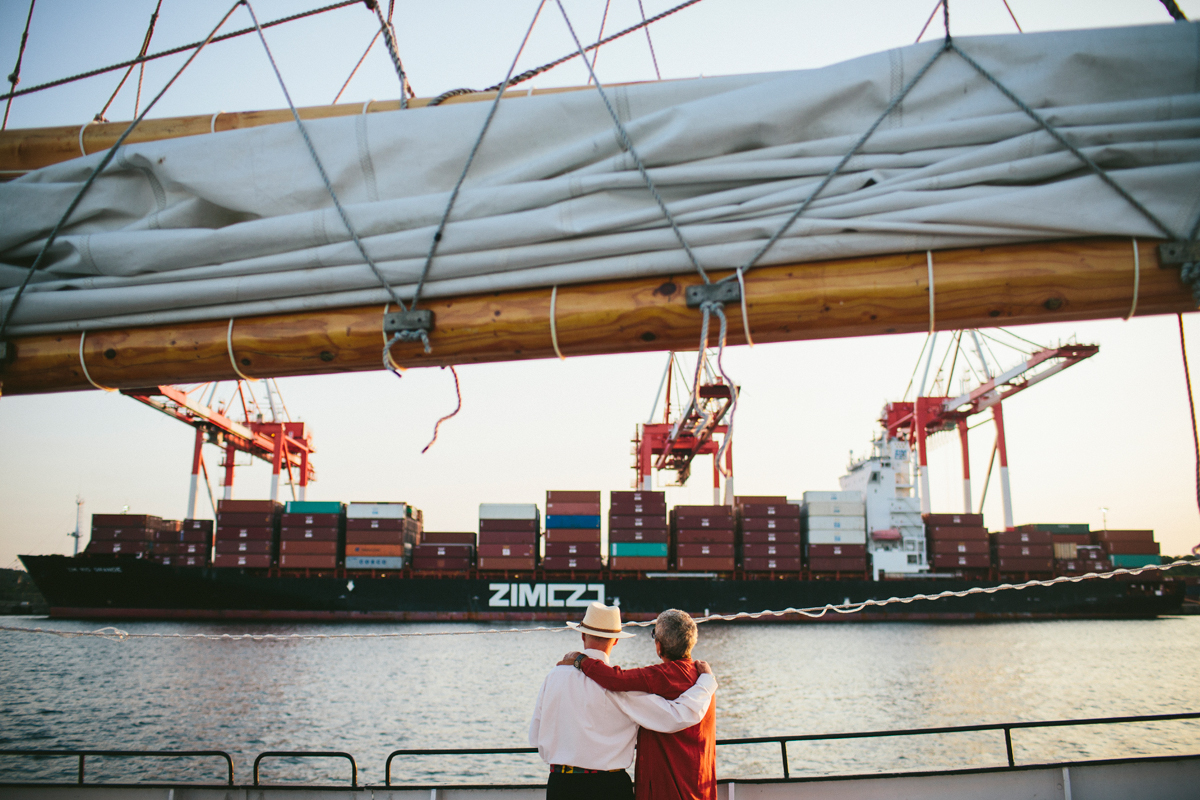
{"x":1137,"y":279}
{"x":83,"y":365}
{"x":229,"y":349}
{"x":83,"y":151}
{"x":212,"y":123}
{"x":554,"y":324}
{"x":745,"y":314}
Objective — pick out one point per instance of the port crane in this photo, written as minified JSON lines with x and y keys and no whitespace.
{"x":674,"y":442}
{"x":284,"y":444}
{"x":916,"y":421}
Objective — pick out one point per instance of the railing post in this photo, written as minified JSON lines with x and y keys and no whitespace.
{"x":81,"y":757}
{"x":1008,"y":745}
{"x":783,"y":750}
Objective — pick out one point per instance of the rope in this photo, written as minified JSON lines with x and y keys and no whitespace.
{"x":628,"y":144}
{"x":745,"y":314}
{"x":600,"y":35}
{"x":653,"y":57}
{"x":389,"y":39}
{"x":83,"y":365}
{"x":128,"y":72}
{"x":104,"y":162}
{"x":812,"y":612}
{"x":452,"y":414}
{"x":1014,"y":16}
{"x":733,"y":393}
{"x":354,"y":71}
{"x":212,"y":123}
{"x":1137,"y":279}
{"x":929,"y":263}
{"x":1187,"y":377}
{"x":437,"y":236}
{"x":388,"y":362}
{"x":14,"y":77}
{"x":174,"y":50}
{"x":82,"y":150}
{"x":928,"y":22}
{"x":533,"y":73}
{"x":554,"y":325}
{"x":229,"y":349}
{"x":444,"y":96}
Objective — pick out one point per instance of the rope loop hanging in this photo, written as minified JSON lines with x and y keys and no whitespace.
{"x":83,"y":366}
{"x":229,"y":349}
{"x":1137,"y":279}
{"x":929,"y":264}
{"x":554,"y":323}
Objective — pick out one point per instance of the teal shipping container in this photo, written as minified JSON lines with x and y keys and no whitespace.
{"x":313,"y":507}
{"x":1133,"y":562}
{"x":639,"y":549}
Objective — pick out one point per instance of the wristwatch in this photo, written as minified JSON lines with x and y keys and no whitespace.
{"x":579,"y":660}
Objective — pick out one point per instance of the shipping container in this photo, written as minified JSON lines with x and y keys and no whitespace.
{"x":638,"y":549}
{"x":522,"y":511}
{"x":949,"y":546}
{"x":378,"y":511}
{"x":960,"y":533}
{"x":703,"y":536}
{"x":590,"y":563}
{"x":1056,"y":527}
{"x":836,"y":551}
{"x":1071,"y":538}
{"x":704,"y":512}
{"x":1080,"y":567}
{"x":381,"y":524}
{"x":379,"y":537}
{"x":651,"y":505}
{"x":832,"y":497}
{"x":448,"y":537}
{"x":245,"y":560}
{"x":196,"y":525}
{"x":576,"y":521}
{"x":245,"y":519}
{"x":769,"y":537}
{"x":636,"y":521}
{"x":374,"y":562}
{"x":953,"y":520}
{"x":769,"y":510}
{"x":771,"y":499}
{"x":508,"y":537}
{"x":182,"y":561}
{"x":774,"y":550}
{"x":1024,"y":564}
{"x":192,"y":535}
{"x":1045,"y":551}
{"x":697,"y":522}
{"x":590,"y":549}
{"x":124,"y":534}
{"x":498,"y":525}
{"x":961,"y":561}
{"x":771,"y":524}
{"x":443,"y":551}
{"x":307,"y":547}
{"x":118,"y":548}
{"x":311,"y":534}
{"x":292,"y":561}
{"x":1022,"y":537}
{"x":313,"y":507}
{"x":227,"y":534}
{"x":637,"y":564}
{"x":506,"y":550}
{"x":842,"y":564}
{"x":390,"y":550}
{"x":248,"y":506}
{"x":837,"y":537}
{"x":125,"y":521}
{"x":704,"y":564}
{"x":832,"y":509}
{"x":699,"y":549}
{"x":771,"y":564}
{"x":572,"y":509}
{"x":572,"y":497}
{"x":1122,"y":536}
{"x":572,"y":535}
{"x":637,"y":497}
{"x":252,"y":546}
{"x":291,"y":520}
{"x":1065,"y":551}
{"x":638,"y":535}
{"x":836,"y":524}
{"x":496,"y":563}
{"x":1128,"y":548}
{"x":448,"y":564}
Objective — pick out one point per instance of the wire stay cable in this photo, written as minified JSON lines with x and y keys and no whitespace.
{"x":14,"y":77}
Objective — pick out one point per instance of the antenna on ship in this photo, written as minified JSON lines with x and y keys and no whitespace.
{"x":78,"y":522}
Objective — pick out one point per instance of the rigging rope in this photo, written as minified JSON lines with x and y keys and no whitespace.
{"x":14,"y":77}
{"x":653,"y":57}
{"x":1187,"y":377}
{"x":451,"y":415}
{"x":104,"y":162}
{"x":389,"y":39}
{"x":812,"y":612}
{"x":128,"y":72}
{"x":600,"y":35}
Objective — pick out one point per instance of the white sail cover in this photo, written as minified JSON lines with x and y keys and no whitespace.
{"x":239,"y":223}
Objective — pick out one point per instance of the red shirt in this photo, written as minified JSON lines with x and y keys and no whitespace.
{"x":670,"y":766}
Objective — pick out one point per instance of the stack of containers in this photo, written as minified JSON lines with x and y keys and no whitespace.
{"x":1074,"y":553}
{"x":190,"y":545}
{"x":834,"y":528}
{"x":770,"y":528}
{"x":444,"y":551}
{"x":572,"y":531}
{"x":380,"y":535}
{"x":703,"y":538}
{"x":124,"y":534}
{"x":1128,"y":549}
{"x":508,"y":536}
{"x":246,"y":533}
{"x":1025,"y":551}
{"x":957,"y":542}
{"x":310,"y":534}
{"x":637,"y":531}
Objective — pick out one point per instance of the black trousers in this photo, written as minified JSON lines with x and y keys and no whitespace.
{"x":589,"y":786}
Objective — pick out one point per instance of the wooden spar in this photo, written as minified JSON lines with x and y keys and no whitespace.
{"x":973,"y":288}
{"x":25,"y":149}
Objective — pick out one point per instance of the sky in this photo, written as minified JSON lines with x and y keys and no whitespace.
{"x":1108,"y":441}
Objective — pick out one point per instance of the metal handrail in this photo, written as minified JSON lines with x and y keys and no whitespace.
{"x":83,"y":754}
{"x":1007,"y":727}
{"x":309,"y":754}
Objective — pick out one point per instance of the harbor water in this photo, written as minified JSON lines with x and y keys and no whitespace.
{"x":372,"y":696}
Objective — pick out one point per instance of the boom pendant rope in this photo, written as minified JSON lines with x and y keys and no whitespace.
{"x":14,"y":77}
{"x":389,"y":38}
{"x":128,"y":72}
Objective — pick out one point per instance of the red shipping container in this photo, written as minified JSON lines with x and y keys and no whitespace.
{"x":508,"y":537}
{"x":1128,"y":548}
{"x":770,"y":537}
{"x":389,"y":550}
{"x":771,"y":564}
{"x":123,"y":534}
{"x":772,"y":550}
{"x":1072,"y":538}
{"x":953,"y":520}
{"x":1004,"y":551}
{"x":573,"y":535}
{"x":706,"y":512}
{"x":772,"y":499}
{"x":649,"y":506}
{"x":441,"y":564}
{"x":637,"y":496}
{"x":506,"y":551}
{"x":448,"y":537}
{"x":1078,"y":567}
{"x":297,"y":547}
{"x":1122,"y":536}
{"x":1022,"y":537}
{"x":702,"y":549}
{"x":573,"y":509}
{"x":309,"y":534}
{"x":377,"y":524}
{"x":181,"y":549}
{"x":785,"y":510}
{"x":638,"y":535}
{"x":575,"y":549}
{"x":588,"y":563}
{"x":572,"y":497}
{"x":246,"y":520}
{"x":380,"y":537}
{"x":118,"y":548}
{"x":637,"y":564}
{"x":498,"y":525}
{"x":837,"y":551}
{"x":246,"y":560}
{"x":125,"y":521}
{"x":949,"y":546}
{"x":704,"y":564}
{"x":1026,"y":564}
{"x":838,"y":564}
{"x":771,"y":524}
{"x":634,"y":521}
{"x":707,"y":537}
{"x":227,"y":534}
{"x":194,"y":536}
{"x":252,"y":546}
{"x":189,"y":561}
{"x":310,"y":520}
{"x":248,"y":506}
{"x":956,"y":534}
{"x":292,"y":561}
{"x":506,"y":563}
{"x":961,"y":561}
{"x":197,"y":525}
{"x":443,"y":551}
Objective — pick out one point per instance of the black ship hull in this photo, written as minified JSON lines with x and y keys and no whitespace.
{"x":121,"y":588}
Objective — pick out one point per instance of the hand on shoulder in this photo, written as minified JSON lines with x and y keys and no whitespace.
{"x":703,"y":668}
{"x":569,"y":659}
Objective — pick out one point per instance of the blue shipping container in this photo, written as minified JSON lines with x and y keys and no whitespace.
{"x":1133,"y":562}
{"x":575,"y":521}
{"x":639,"y":549}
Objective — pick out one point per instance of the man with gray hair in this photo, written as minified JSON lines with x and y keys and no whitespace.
{"x":669,"y":766}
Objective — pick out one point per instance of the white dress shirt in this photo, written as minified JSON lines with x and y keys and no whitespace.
{"x":576,"y":722}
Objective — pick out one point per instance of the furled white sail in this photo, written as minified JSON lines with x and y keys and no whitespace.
{"x":239,"y":223}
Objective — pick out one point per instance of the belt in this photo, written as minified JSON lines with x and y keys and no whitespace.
{"x":566,"y":769}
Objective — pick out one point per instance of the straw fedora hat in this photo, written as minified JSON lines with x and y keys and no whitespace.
{"x":601,"y":621}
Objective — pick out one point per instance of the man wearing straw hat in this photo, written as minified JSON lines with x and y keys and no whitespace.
{"x":586,"y":734}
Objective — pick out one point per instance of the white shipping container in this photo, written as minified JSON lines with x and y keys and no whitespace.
{"x":837,"y":523}
{"x":829,"y":508}
{"x":833,"y":497}
{"x":508,"y":511}
{"x":837,"y":537}
{"x":376,"y":510}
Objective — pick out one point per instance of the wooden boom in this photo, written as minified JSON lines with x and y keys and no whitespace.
{"x":973,"y":288}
